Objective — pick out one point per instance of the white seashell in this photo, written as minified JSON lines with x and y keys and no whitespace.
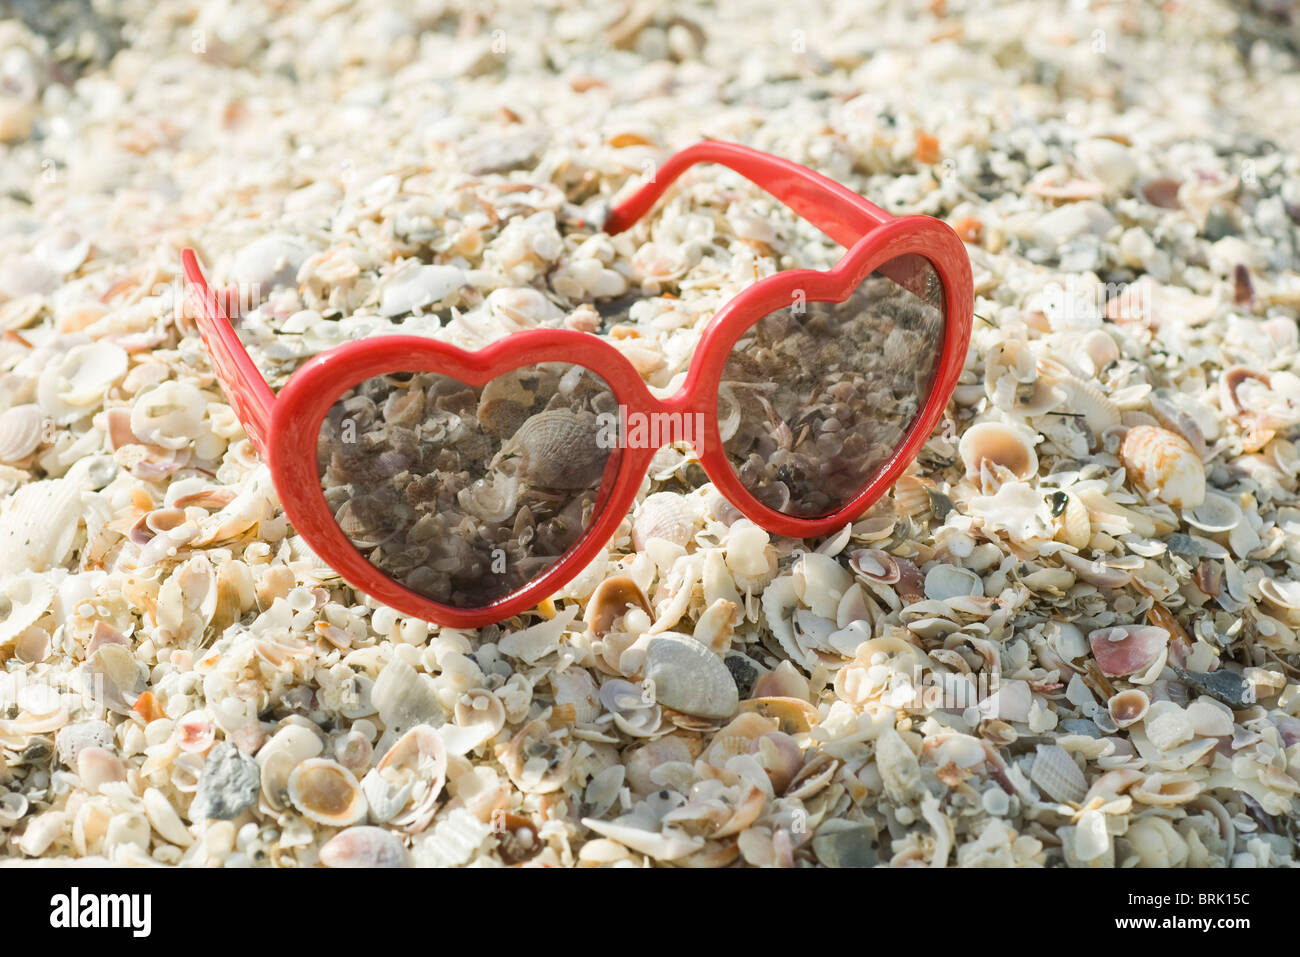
{"x":1164,"y":789}
{"x":405,"y":785}
{"x":1091,"y":838}
{"x":1056,"y":774}
{"x":187,"y":601}
{"x":403,"y":697}
{"x":575,"y":688}
{"x":1167,"y":725}
{"x":62,"y":250}
{"x":97,"y":766}
{"x":1083,"y":398}
{"x":522,"y":307}
{"x":70,"y":387}
{"x":42,"y":831}
{"x":162,"y":815}
{"x":748,"y":552}
{"x":364,"y":847}
{"x":170,"y":415}
{"x":419,"y":287}
{"x":687,"y":677}
{"x":23,"y":599}
{"x":13,"y":808}
{"x":22,"y":430}
{"x":1210,"y":718}
{"x":899,"y":768}
{"x":943,"y":582}
{"x":820,"y":582}
{"x":327,"y":793}
{"x":267,"y":262}
{"x":73,"y":738}
{"x":278,"y":758}
{"x":1164,"y":464}
{"x":480,"y":716}
{"x":1110,"y":163}
{"x":660,"y":846}
{"x":665,"y":515}
{"x":997,"y":452}
{"x":1128,"y":707}
{"x":1217,"y":513}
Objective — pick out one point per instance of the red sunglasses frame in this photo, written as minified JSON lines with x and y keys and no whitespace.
{"x":284,"y":428}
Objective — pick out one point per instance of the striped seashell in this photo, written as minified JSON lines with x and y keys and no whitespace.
{"x":21,"y":431}
{"x":1056,"y":774}
{"x":1073,"y":526}
{"x":1164,"y":464}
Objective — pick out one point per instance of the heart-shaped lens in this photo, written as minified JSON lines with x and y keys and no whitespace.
{"x":464,"y":494}
{"x":814,"y":399}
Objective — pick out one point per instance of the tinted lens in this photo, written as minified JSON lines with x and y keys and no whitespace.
{"x":815,"y":398}
{"x":465,"y":494}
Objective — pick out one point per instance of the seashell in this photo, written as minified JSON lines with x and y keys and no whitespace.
{"x":195,"y":732}
{"x":22,"y":431}
{"x":660,"y":846}
{"x":1056,"y":183}
{"x":558,"y":449}
{"x":97,"y":766}
{"x":1165,"y":465}
{"x":480,"y":716}
{"x":611,"y":600}
{"x":948,"y":581}
{"x":792,"y":715}
{"x":1056,"y":774}
{"x":403,"y":697}
{"x":1128,"y":649}
{"x":419,"y":287}
{"x":288,"y":748}
{"x":522,"y":307}
{"x":1159,"y":191}
{"x":1110,"y":163}
{"x":164,"y":818}
{"x":537,"y":759}
{"x":1217,"y":513}
{"x":23,"y":599}
{"x":187,"y":601}
{"x":716,"y":625}
{"x":1128,"y":707}
{"x":843,"y":843}
{"x":686,"y":676}
{"x":899,"y":768}
{"x":1096,"y":572}
{"x":38,"y":526}
{"x":1073,"y":524}
{"x":32,"y":645}
{"x":269,"y":262}
{"x":996,"y":452}
{"x":62,"y":250}
{"x":1283,"y":597}
{"x":170,"y":415}
{"x":1261,"y":401}
{"x":13,"y":808}
{"x":113,"y":672}
{"x":576,"y":690}
{"x":327,"y":793}
{"x":42,"y":831}
{"x":1082,"y":398}
{"x":364,"y":846}
{"x":1165,"y":789}
{"x":405,"y":785}
{"x":665,"y":515}
{"x":70,"y":387}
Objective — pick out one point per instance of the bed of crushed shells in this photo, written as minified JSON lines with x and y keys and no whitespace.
{"x":1067,"y":637}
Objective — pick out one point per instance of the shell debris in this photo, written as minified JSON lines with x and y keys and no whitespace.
{"x":1068,"y":636}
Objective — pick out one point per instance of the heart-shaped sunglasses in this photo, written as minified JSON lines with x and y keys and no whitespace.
{"x":465,"y":487}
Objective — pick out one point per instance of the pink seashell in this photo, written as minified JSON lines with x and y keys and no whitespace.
{"x":1127,"y":649}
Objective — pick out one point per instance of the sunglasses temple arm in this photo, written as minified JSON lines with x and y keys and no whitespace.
{"x":836,"y":210}
{"x":249,"y":395}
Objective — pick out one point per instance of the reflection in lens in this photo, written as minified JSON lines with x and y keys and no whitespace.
{"x":465,"y":494}
{"x":814,"y":399}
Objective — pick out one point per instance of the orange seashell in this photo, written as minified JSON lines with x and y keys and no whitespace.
{"x":147,"y":707}
{"x":1164,"y":464}
{"x":927,"y":148}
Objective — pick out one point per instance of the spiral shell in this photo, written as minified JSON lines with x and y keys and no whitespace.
{"x":1163,"y":464}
